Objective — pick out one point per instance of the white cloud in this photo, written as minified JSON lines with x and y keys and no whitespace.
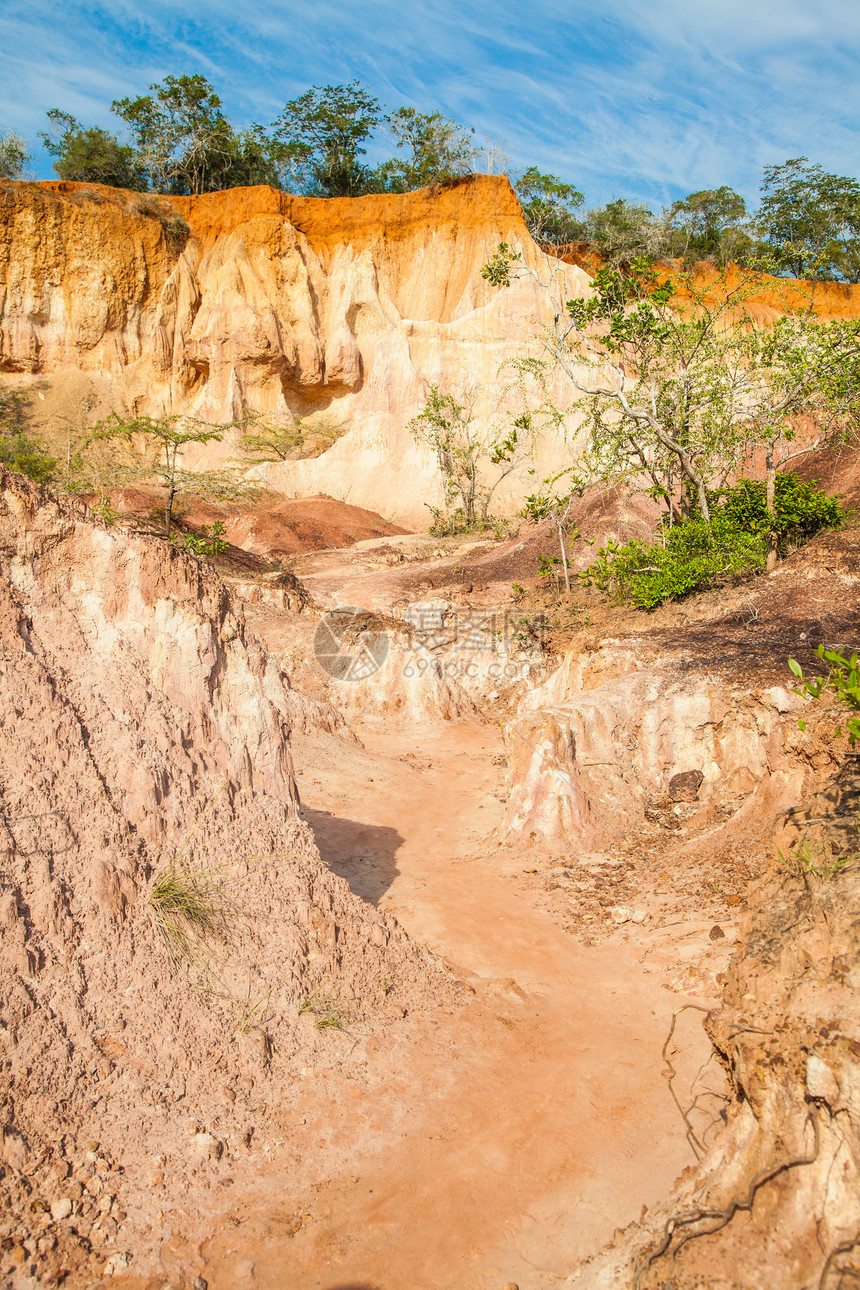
{"x":636,"y":96}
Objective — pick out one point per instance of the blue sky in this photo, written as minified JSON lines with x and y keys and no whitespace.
{"x":650,"y":98}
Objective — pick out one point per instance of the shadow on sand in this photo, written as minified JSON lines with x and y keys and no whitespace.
{"x":363,"y":854}
{"x":354,"y":1285}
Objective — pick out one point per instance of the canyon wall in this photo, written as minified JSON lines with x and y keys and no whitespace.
{"x":145,"y":747}
{"x":341,"y":311}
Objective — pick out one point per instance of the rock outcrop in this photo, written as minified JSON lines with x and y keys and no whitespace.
{"x":595,"y":752}
{"x":775,"y":1199}
{"x":341,"y":311}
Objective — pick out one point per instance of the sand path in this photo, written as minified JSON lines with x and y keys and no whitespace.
{"x":521,"y":1130}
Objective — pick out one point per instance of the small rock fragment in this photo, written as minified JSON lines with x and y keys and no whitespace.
{"x":820,"y":1080}
{"x":15,"y":1151}
{"x":716,"y":933}
{"x":623,"y":914}
{"x":61,"y":1209}
{"x":206,"y":1142}
{"x":684,"y":787}
{"x":116,"y":1264}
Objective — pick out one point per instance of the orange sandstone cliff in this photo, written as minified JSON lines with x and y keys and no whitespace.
{"x":776,"y":296}
{"x":343,"y":311}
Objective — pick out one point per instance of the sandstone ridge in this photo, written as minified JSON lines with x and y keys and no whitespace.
{"x":340,"y":311}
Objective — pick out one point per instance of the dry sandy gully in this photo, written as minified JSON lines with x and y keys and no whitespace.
{"x":517,"y":1133}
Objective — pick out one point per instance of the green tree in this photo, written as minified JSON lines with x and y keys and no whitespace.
{"x":91,"y":155}
{"x":323,"y":133}
{"x":437,"y":149}
{"x":18,"y":450}
{"x":844,"y":247}
{"x":708,"y":225}
{"x":810,"y":220}
{"x":262,"y":443}
{"x":659,"y":389}
{"x":169,"y":436}
{"x":13,"y":155}
{"x":549,"y":207}
{"x":799,"y":369}
{"x":549,"y":504}
{"x":447,"y":425}
{"x":623,"y":231}
{"x":182,"y":138}
{"x":678,"y":386}
{"x":251,"y":157}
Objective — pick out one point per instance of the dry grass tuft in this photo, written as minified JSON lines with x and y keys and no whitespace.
{"x":188,"y":909}
{"x":327,"y":1013}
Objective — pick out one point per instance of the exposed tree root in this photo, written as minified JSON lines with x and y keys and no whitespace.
{"x":723,"y":1216}
{"x":698,"y":1148}
{"x":834,"y":1254}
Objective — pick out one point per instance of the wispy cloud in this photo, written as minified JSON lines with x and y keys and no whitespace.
{"x":649,"y":98}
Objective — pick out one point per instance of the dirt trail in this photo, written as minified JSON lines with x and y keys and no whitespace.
{"x":524,"y":1128}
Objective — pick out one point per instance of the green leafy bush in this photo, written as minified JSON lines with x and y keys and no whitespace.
{"x":842,"y":681}
{"x":802,"y":509}
{"x":105,"y":511}
{"x":17,"y":450}
{"x":694,"y":555}
{"x":210,"y":542}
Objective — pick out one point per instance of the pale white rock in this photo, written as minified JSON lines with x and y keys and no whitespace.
{"x":208,"y":1144}
{"x":116,"y":1264}
{"x":820,"y":1080}
{"x":623,"y":914}
{"x":15,"y":1150}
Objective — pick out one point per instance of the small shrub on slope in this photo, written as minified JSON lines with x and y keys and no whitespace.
{"x":187,"y":909}
{"x":802,"y":510}
{"x":694,"y":555}
{"x":842,"y":682}
{"x":17,"y":450}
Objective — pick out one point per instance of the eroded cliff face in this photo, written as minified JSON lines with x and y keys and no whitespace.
{"x":774,"y":297}
{"x":340,"y":310}
{"x":597,"y":751}
{"x":145,"y":732}
{"x":774,"y":1201}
